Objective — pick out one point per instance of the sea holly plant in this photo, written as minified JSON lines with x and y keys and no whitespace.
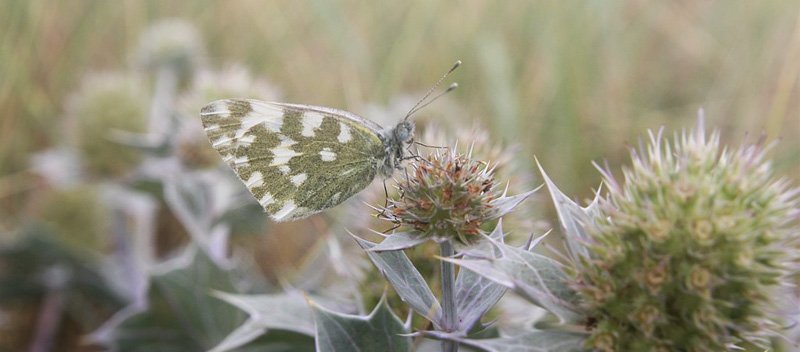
{"x":690,"y":252}
{"x":447,"y":198}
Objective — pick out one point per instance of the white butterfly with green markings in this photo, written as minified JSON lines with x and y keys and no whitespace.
{"x":298,"y":160}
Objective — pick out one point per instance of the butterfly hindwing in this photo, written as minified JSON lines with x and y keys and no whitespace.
{"x":296,"y":160}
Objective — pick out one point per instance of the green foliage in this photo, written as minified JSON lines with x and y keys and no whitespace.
{"x":38,"y":265}
{"x":180,"y":313}
{"x":27,"y":262}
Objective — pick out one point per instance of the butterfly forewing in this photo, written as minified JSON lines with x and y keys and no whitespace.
{"x":296,"y":160}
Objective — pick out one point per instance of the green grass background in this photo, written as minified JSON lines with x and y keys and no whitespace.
{"x":569,"y":81}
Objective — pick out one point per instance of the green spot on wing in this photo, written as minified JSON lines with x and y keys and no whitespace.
{"x":239,"y":108}
{"x":292,"y":124}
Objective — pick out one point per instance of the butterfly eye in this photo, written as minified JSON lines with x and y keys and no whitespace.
{"x":404,"y":131}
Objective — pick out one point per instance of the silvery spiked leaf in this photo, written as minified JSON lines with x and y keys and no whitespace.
{"x":198,"y":200}
{"x":506,"y":204}
{"x":572,"y":218}
{"x":406,"y":281}
{"x":277,"y":341}
{"x":248,"y":332}
{"x":399,"y":241}
{"x":180,"y":315}
{"x":381,"y":330}
{"x":475,"y":294}
{"x":284,"y":311}
{"x":536,"y":277}
{"x":133,"y":225}
{"x":534,"y":341}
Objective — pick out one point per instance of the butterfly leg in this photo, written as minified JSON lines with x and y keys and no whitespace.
{"x":392,"y":228}
{"x":429,"y":146}
{"x":385,"y":202}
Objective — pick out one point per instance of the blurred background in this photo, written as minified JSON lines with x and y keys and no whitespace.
{"x":100,"y":143}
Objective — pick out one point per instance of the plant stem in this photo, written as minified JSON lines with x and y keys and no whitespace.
{"x":166,"y":88}
{"x":49,"y":319}
{"x":449,"y":310}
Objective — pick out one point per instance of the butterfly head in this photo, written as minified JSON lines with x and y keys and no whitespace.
{"x":396,"y":141}
{"x":404,"y":132}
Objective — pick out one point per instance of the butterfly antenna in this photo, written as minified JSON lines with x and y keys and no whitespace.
{"x":449,"y":89}
{"x":452,"y":86}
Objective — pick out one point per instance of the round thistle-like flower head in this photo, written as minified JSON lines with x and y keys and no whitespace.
{"x":171,"y":43}
{"x":107,"y":104}
{"x":700,"y":244}
{"x":446,"y":197}
{"x":77,"y":215}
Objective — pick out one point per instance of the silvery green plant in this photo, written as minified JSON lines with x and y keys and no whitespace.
{"x":448,"y":198}
{"x":614,"y":291}
{"x":690,"y":252}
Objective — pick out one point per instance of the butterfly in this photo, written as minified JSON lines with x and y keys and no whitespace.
{"x":298,"y":160}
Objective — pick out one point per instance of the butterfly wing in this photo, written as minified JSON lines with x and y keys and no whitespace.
{"x":297,"y":160}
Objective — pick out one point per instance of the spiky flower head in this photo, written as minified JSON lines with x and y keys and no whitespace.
{"x":76,"y":214}
{"x":108,"y":104}
{"x":447,"y":196}
{"x":688,"y":253}
{"x":173,"y":44}
{"x":505,"y":166}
